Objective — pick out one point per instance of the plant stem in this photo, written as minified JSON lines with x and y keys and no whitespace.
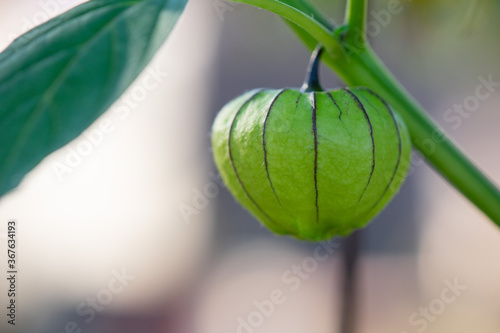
{"x":311,"y":82}
{"x":350,"y":257}
{"x":308,"y":23}
{"x":308,"y":9}
{"x":429,"y":139}
{"x":359,"y":66}
{"x":356,"y":21}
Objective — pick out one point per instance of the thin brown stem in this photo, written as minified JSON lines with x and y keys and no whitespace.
{"x":351,"y":252}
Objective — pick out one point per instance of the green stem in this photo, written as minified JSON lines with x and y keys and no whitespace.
{"x":305,"y":7}
{"x":360,"y":66}
{"x":356,"y":21}
{"x":309,"y":23}
{"x":429,"y":139}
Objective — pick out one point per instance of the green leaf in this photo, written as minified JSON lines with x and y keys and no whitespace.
{"x":58,"y":78}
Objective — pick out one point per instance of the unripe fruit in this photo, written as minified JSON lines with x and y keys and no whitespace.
{"x":311,"y":164}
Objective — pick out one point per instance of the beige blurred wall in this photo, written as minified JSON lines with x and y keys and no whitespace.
{"x":118,"y":208}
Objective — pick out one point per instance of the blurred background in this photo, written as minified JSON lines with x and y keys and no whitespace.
{"x":134,"y":233}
